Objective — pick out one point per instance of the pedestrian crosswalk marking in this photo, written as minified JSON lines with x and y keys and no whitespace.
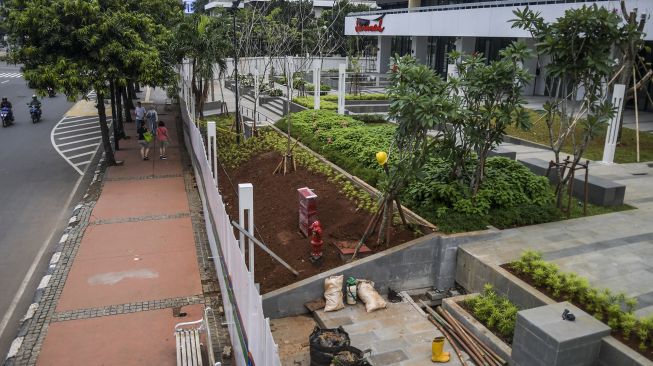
{"x":77,"y":138}
{"x":11,"y":75}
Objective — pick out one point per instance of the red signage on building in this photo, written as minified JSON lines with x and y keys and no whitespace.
{"x":365,"y":25}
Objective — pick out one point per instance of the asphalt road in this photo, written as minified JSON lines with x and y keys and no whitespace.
{"x":36,"y":185}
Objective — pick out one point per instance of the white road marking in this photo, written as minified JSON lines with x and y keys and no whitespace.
{"x":11,"y":75}
{"x":6,"y":81}
{"x":80,"y":155}
{"x":80,"y":135}
{"x":32,"y":268}
{"x":69,"y":120}
{"x":77,"y":129}
{"x":81,"y":147}
{"x":78,"y":125}
{"x":78,"y":141}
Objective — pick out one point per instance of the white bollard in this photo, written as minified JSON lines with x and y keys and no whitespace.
{"x":342,"y":74}
{"x":256,"y":92}
{"x":613,"y":128}
{"x":246,"y":204}
{"x":316,"y":88}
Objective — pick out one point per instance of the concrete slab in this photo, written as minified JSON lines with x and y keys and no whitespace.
{"x":130,"y":239}
{"x":131,"y":278}
{"x":397,"y":335}
{"x":143,"y":338}
{"x":135,"y":198}
{"x":291,"y":335}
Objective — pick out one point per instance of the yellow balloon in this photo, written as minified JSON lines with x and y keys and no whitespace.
{"x":382,"y":157}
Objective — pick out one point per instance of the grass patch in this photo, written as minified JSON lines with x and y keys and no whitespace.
{"x":625,"y":152}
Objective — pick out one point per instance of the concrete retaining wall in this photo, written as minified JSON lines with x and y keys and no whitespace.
{"x":475,"y":327}
{"x":472,"y":274}
{"x":429,"y":261}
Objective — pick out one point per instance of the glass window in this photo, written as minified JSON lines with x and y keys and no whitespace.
{"x":401,"y":45}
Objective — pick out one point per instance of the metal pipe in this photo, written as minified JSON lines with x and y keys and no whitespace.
{"x":478,"y":341}
{"x":264,"y":247}
{"x":467,"y":335}
{"x":446,"y":334}
{"x":446,"y":326}
{"x":468,"y":344}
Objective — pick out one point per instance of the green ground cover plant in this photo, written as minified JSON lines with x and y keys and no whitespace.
{"x":232,"y":155}
{"x":625,"y":152}
{"x":496,"y":312}
{"x":616,"y":310}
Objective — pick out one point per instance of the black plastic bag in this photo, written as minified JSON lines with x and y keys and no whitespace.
{"x":325,"y":343}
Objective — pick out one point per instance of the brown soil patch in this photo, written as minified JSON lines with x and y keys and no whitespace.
{"x":276,"y":219}
{"x":632,"y":341}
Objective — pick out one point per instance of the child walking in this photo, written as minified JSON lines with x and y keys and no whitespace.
{"x":162,"y":136}
{"x":144,"y":138}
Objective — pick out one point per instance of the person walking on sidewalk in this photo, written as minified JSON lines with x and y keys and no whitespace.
{"x":164,"y":139}
{"x":152,"y":117}
{"x":144,"y":138}
{"x":140,"y":115}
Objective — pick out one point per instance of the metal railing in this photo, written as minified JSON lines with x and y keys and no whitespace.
{"x":478,"y":5}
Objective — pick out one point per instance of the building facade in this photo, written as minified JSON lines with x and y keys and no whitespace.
{"x":429,"y":29}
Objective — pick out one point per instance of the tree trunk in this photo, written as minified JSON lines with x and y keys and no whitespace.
{"x":131,"y":93}
{"x":104,"y":129}
{"x":116,"y":110}
{"x":127,"y":101}
{"x":116,"y":134}
{"x":625,"y":78}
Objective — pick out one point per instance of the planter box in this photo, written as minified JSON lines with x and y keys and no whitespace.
{"x":470,"y":323}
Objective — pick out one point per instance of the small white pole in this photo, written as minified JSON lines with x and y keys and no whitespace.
{"x":212,"y":150}
{"x":246,"y":203}
{"x":316,"y":87}
{"x":256,"y":91}
{"x":636,"y":114}
{"x":613,"y":127}
{"x":342,"y":71}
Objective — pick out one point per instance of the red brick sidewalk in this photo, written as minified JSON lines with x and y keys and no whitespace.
{"x":138,"y":255}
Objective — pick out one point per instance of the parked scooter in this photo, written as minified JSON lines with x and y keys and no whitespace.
{"x":51,"y":92}
{"x":5,"y":115}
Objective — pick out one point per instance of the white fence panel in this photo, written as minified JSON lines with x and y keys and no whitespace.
{"x":249,"y":330}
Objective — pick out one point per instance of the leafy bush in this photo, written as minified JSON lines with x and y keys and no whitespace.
{"x":496,"y":312}
{"x":343,"y":140}
{"x":377,"y":96}
{"x":310,"y":87}
{"x":308,"y":103}
{"x":275,"y":92}
{"x":510,"y":196}
{"x":616,"y":310}
{"x":370,"y":118}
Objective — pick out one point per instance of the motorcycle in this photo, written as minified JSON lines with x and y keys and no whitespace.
{"x":35,"y":113}
{"x":5,"y":115}
{"x":51,"y":92}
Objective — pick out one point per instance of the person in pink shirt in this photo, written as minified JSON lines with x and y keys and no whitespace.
{"x":164,"y":139}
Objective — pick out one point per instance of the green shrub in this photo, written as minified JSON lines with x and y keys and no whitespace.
{"x":378,"y":96}
{"x":310,"y":87}
{"x":308,"y":102}
{"x":370,"y":118}
{"x":496,"y":312}
{"x":275,"y":92}
{"x":616,"y":310}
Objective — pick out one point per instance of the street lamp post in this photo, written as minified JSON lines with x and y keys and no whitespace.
{"x":234,"y":8}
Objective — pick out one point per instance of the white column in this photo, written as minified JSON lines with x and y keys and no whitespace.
{"x":256,"y":92}
{"x":266,"y":70}
{"x":246,"y":203}
{"x":316,"y":87}
{"x":212,"y":150}
{"x":613,"y":128}
{"x":342,"y":73}
{"x":289,"y":78}
{"x":418,"y":46}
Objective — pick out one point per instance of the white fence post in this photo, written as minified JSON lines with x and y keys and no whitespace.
{"x":213,"y":150}
{"x":316,"y":87}
{"x":613,"y":128}
{"x":246,"y":204}
{"x":342,"y":74}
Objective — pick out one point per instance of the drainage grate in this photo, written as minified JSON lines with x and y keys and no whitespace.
{"x":650,"y":165}
{"x":639,"y":173}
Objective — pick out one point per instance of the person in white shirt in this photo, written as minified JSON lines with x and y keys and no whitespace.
{"x":152,"y":119}
{"x":140,"y":115}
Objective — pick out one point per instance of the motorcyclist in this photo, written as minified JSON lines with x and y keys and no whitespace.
{"x":36,"y":103}
{"x":6,"y":103}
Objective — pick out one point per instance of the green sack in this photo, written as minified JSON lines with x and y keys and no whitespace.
{"x":148,"y":136}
